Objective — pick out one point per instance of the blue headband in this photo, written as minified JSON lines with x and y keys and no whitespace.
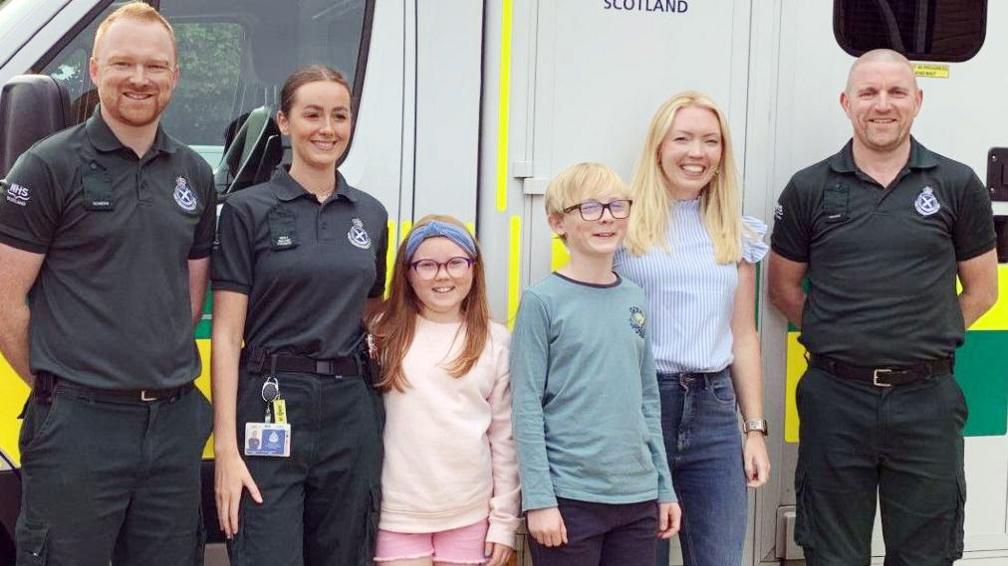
{"x":436,"y":229}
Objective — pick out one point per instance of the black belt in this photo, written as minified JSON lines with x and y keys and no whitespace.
{"x":259,"y":361}
{"x":884,"y":376}
{"x":47,"y":383}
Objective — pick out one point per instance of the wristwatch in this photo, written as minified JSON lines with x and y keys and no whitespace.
{"x":758,"y":425}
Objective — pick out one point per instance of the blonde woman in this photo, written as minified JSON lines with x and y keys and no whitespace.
{"x":693,"y":253}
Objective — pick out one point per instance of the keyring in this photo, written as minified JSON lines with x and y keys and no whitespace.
{"x":270,"y":389}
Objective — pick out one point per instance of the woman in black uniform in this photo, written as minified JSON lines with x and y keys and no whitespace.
{"x":299,"y":260}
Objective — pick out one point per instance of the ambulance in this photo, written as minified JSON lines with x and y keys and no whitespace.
{"x":468,"y":107}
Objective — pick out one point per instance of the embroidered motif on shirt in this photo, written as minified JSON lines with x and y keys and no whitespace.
{"x":184,"y":196}
{"x":358,"y":236}
{"x":927,"y":203}
{"x":17,"y":194}
{"x":637,"y":320}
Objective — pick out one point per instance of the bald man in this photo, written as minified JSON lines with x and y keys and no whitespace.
{"x":881,"y":230}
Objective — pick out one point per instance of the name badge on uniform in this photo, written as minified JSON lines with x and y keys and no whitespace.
{"x":268,"y":439}
{"x":97,"y":188}
{"x":835,"y":203}
{"x":283,"y":229}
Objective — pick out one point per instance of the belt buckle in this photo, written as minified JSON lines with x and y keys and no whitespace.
{"x":145,"y":397}
{"x":875,"y":377}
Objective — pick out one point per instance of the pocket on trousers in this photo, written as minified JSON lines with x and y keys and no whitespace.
{"x":954,"y":547}
{"x":201,"y":537}
{"x":804,"y":531}
{"x":32,"y":544}
{"x":723,"y":392}
{"x":37,"y":424}
{"x":373,"y":516}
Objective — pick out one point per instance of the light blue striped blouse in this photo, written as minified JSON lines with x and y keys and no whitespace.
{"x":691,"y":296}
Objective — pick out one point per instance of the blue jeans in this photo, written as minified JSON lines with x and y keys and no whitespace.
{"x":704,"y":448}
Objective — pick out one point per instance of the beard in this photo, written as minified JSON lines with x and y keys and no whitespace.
{"x":136,"y":113}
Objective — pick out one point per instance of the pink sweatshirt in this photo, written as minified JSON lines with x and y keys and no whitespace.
{"x":449,"y":454}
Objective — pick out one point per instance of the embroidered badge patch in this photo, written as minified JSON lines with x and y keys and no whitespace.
{"x":358,"y":236}
{"x":184,"y":196}
{"x":17,"y":194}
{"x":637,"y":320}
{"x":927,"y":203}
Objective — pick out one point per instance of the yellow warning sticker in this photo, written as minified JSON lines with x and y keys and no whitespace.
{"x":931,"y":70}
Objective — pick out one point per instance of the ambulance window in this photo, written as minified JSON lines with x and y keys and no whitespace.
{"x":923,"y":30}
{"x":234,"y":57}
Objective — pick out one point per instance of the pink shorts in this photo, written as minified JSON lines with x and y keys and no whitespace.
{"x":463,"y":545}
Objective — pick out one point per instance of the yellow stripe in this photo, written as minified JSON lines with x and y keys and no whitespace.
{"x":503,"y":105}
{"x":795,"y":368}
{"x":15,"y":392}
{"x":514,"y":268}
{"x":393,"y":243}
{"x":997,"y":317}
{"x":994,"y":319}
{"x":203,"y":383}
{"x":471,"y":226}
{"x":559,"y":256}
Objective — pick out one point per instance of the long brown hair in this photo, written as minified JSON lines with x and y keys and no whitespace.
{"x":395,"y":327}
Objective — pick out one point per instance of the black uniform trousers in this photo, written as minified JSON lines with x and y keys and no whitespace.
{"x":111,"y":481}
{"x":902,"y":444}
{"x":321,"y":504}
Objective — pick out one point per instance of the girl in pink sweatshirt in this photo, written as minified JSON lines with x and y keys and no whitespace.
{"x":450,"y":477}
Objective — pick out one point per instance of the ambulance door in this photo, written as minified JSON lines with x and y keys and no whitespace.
{"x":234,"y":57}
{"x":441,"y":110}
{"x":960,"y":49}
{"x":570,"y":81}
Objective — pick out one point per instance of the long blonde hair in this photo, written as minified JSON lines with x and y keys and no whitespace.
{"x":720,"y":206}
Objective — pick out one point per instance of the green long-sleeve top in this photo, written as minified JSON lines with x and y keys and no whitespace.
{"x":586,"y":413}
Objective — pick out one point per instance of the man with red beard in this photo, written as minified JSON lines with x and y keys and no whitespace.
{"x":105,"y":233}
{"x":881,"y":230}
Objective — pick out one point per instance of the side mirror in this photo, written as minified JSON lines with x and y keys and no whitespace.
{"x":251,"y":153}
{"x":32,"y":107}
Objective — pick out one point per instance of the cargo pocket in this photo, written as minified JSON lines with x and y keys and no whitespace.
{"x":954,"y":547}
{"x":31,"y":540}
{"x":201,"y":537}
{"x":373,"y":516}
{"x":804,"y":530}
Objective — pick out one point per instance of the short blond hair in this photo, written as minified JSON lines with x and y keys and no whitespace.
{"x":137,"y":11}
{"x":581,"y":182}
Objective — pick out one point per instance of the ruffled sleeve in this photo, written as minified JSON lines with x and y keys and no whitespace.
{"x":754,"y":248}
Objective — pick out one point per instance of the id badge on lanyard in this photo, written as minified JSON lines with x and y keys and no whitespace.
{"x":272,"y":436}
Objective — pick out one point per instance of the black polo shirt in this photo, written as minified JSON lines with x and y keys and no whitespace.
{"x":882,"y":262}
{"x":307,"y":268}
{"x":110,"y":307}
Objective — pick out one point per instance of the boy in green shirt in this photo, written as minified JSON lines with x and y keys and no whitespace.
{"x":596,"y":486}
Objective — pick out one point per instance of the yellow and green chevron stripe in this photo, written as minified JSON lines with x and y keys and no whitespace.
{"x":981,"y":369}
